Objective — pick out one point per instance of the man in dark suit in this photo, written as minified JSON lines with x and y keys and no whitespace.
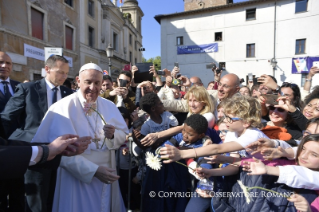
{"x":28,"y":105}
{"x":7,"y":85}
{"x":22,"y":154}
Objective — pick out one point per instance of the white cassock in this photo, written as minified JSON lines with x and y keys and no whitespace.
{"x":76,"y":187}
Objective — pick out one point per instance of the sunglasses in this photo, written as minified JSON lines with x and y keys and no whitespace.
{"x":223,"y":132}
{"x":273,"y":108}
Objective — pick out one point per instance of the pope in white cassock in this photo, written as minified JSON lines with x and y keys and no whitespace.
{"x":86,"y":182}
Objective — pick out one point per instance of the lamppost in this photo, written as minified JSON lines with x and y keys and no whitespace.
{"x":273,"y":63}
{"x":109,"y":53}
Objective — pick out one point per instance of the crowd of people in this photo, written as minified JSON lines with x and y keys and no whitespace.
{"x":260,"y":134}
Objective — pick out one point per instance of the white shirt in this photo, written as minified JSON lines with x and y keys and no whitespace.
{"x":9,"y":85}
{"x":150,"y":126}
{"x":298,"y":177}
{"x":50,"y":86}
{"x":35,"y":152}
{"x":249,"y":136}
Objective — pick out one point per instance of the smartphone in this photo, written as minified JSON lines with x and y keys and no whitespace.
{"x":250,"y":77}
{"x":255,"y":80}
{"x":315,"y":63}
{"x":218,"y":70}
{"x":211,"y":66}
{"x":161,"y":72}
{"x":271,"y":99}
{"x":176,"y":64}
{"x":123,"y":83}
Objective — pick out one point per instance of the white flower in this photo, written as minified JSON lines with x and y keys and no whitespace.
{"x":88,"y":108}
{"x":153,"y":161}
{"x":245,"y":190}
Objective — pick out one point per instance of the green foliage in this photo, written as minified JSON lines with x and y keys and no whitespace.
{"x":156,"y":61}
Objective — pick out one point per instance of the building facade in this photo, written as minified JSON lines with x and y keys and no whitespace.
{"x":249,"y":35}
{"x":83,"y":28}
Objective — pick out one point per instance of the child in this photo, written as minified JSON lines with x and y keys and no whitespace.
{"x":159,"y":119}
{"x":164,"y":179}
{"x":307,"y":156}
{"x":242,"y":117}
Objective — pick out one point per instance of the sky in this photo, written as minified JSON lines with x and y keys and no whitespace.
{"x":151,"y":29}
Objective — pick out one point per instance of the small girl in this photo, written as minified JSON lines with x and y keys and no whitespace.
{"x":307,"y":156}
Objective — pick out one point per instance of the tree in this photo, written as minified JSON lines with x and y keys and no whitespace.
{"x":156,"y":61}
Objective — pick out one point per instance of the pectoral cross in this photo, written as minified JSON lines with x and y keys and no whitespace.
{"x":96,"y":141}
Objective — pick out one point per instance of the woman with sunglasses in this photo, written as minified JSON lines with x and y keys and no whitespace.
{"x":281,"y":126}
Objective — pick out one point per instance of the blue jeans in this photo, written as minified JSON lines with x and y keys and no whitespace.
{"x":198,"y":204}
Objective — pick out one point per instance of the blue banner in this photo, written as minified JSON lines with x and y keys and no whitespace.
{"x":194,"y":49}
{"x":302,"y":65}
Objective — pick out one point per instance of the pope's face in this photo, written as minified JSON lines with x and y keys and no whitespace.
{"x":90,"y":82}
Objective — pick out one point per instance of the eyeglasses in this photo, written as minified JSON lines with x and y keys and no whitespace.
{"x":306,"y":133}
{"x":223,"y":132}
{"x":280,"y":110}
{"x":231,"y":120}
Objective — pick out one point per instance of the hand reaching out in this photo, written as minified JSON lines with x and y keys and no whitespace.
{"x":255,"y":168}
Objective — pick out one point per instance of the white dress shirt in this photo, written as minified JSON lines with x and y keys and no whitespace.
{"x":50,"y":86}
{"x":9,"y":85}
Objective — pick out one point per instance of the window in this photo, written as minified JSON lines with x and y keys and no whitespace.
{"x":251,"y":14}
{"x":250,"y":51}
{"x":130,"y":57}
{"x":69,"y":2}
{"x":218,"y":36}
{"x":130,"y":39}
{"x":68,"y":38}
{"x":91,"y":7}
{"x":300,"y":46}
{"x":301,"y":6}
{"x":179,"y":41}
{"x":37,"y":23}
{"x":135,"y":46}
{"x":91,"y":37}
{"x":222,"y":65}
{"x":135,"y":60}
{"x":114,"y":41}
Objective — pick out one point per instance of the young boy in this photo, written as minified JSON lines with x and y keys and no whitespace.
{"x":159,"y":119}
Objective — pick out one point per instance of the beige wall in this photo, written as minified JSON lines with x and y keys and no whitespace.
{"x":200,"y":4}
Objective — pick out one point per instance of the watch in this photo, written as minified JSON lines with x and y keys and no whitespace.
{"x":45,"y":154}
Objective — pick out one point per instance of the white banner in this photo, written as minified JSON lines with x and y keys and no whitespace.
{"x":70,"y":59}
{"x":49,"y":51}
{"x":33,"y":52}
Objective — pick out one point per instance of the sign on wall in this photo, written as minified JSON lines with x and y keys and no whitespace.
{"x":195,"y":49}
{"x":33,"y":52}
{"x":302,"y":65}
{"x":40,"y":54}
{"x":49,"y":51}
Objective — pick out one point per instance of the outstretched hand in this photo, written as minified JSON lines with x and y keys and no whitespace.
{"x":255,"y":168}
{"x":259,"y":145}
{"x":300,"y":203}
{"x":273,"y":153}
{"x":170,"y":153}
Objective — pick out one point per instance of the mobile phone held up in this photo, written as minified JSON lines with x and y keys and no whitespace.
{"x":123,"y":83}
{"x":271,"y":99}
{"x":176,"y":64}
{"x":315,"y":64}
{"x":161,"y":72}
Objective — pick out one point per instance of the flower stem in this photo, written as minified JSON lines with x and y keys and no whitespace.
{"x":185,"y":165}
{"x":265,"y":189}
{"x":99,"y":115}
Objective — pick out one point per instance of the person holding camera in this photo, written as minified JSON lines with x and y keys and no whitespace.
{"x":122,"y":95}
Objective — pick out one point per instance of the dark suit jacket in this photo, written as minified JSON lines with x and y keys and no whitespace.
{"x":3,"y":102}
{"x":28,"y":105}
{"x":14,"y":160}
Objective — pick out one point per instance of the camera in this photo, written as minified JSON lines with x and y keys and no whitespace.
{"x":211,"y":66}
{"x":242,"y":80}
{"x":218,"y":71}
{"x":176,"y":64}
{"x":161,"y":72}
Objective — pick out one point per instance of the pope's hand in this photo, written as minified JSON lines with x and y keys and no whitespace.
{"x":150,"y":139}
{"x":171,"y":153}
{"x":106,"y":175}
{"x":109,"y":131}
{"x":78,"y":147}
{"x":61,"y":145}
